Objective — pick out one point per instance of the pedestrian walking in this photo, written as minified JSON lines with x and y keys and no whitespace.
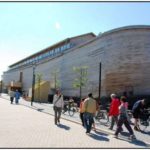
{"x":17,"y":96}
{"x":58,"y":103}
{"x":93,"y":120}
{"x":89,"y":109}
{"x":93,"y":124}
{"x":123,"y":119}
{"x":137,"y":111}
{"x":81,"y":111}
{"x":12,"y":95}
{"x":114,"y":110}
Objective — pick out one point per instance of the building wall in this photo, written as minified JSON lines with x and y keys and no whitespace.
{"x":124,"y":55}
{"x":128,"y":62}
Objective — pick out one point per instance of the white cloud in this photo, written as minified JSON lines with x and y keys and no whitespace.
{"x":57,"y":25}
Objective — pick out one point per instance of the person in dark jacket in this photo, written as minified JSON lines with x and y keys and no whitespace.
{"x":137,"y":111}
{"x":17,"y":96}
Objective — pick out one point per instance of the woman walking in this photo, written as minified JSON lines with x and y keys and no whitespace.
{"x":123,"y":119}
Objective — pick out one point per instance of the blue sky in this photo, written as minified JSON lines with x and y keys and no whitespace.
{"x":26,"y":28}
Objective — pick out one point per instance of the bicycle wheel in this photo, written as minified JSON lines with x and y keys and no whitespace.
{"x":71,"y":111}
{"x":144,"y":124}
{"x":103,"y":118}
{"x":64,"y":110}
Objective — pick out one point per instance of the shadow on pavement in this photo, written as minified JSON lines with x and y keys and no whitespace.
{"x":135,"y":142}
{"x":100,"y":133}
{"x":63,"y":127}
{"x":139,"y":143}
{"x":145,"y":132}
{"x":98,"y":137}
{"x":40,"y":109}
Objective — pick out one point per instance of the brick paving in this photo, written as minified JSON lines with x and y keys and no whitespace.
{"x":22,"y":127}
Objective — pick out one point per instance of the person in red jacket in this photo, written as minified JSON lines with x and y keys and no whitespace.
{"x":114,"y":110}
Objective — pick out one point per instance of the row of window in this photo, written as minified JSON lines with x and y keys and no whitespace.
{"x":50,"y":53}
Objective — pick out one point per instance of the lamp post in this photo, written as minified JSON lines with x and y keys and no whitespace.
{"x":99,"y":92}
{"x":33,"y":83}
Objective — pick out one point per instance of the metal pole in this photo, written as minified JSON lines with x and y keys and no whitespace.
{"x":33,"y":83}
{"x":100,"y":67}
{"x":81,"y":83}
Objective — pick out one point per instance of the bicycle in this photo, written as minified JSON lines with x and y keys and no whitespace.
{"x":70,"y":108}
{"x":102,"y":116}
{"x":145,"y":119}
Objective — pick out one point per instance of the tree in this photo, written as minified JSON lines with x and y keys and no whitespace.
{"x":81,"y":79}
{"x":38,"y":81}
{"x":55,"y":74}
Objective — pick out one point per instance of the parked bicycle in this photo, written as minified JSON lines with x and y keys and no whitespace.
{"x":102,"y":116}
{"x":70,"y":108}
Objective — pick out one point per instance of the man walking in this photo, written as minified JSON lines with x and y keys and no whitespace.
{"x":114,"y":110}
{"x":58,"y":103}
{"x":12,"y":95}
{"x":137,"y":111}
{"x":89,"y":109}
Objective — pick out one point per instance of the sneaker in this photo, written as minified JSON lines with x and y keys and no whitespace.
{"x":132,"y":137}
{"x":87,"y":133}
{"x":110,"y":128}
{"x":137,"y":128}
{"x":116,"y":136}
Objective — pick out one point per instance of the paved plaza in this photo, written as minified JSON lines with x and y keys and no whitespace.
{"x":23,"y":126}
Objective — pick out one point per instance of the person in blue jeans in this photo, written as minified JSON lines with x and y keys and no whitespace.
{"x":17,"y":96}
{"x":89,"y":109}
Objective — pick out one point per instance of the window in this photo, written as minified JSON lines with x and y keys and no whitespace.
{"x":62,"y":48}
{"x":68,"y":46}
{"x":36,"y":59}
{"x":65,"y":46}
{"x":33,"y":59}
{"x":39,"y":57}
{"x":55,"y":51}
{"x":47,"y":54}
{"x":52,"y":52}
